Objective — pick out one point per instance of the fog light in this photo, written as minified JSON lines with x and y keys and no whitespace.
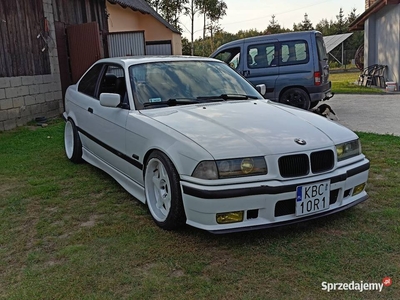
{"x":358,"y":188}
{"x":230,"y":217}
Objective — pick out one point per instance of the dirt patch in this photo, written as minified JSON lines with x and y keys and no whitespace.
{"x":91,"y":222}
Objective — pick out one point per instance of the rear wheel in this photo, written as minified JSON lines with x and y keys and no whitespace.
{"x":72,"y":142}
{"x":163,"y":193}
{"x":296,"y":97}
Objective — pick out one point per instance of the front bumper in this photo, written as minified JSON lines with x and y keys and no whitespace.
{"x":270,"y":203}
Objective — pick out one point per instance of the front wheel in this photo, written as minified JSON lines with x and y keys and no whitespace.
{"x":163,"y":194}
{"x":296,"y":97}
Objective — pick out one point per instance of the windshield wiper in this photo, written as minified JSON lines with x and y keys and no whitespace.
{"x":228,"y":97}
{"x":172,"y":102}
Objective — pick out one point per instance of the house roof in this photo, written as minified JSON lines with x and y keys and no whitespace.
{"x":358,"y":24}
{"x":143,"y":7}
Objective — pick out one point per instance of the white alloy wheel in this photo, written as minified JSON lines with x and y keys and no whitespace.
{"x":72,"y":142}
{"x":163,"y":193}
{"x":69,"y":139}
{"x":158,"y":190}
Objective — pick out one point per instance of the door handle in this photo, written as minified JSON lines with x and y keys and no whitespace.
{"x":90,"y":110}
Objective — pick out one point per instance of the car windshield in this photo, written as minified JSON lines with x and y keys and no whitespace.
{"x":184,"y":82}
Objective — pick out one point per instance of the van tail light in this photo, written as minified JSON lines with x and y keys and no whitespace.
{"x":317,"y":78}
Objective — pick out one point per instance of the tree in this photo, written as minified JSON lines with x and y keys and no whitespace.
{"x":304,"y":25}
{"x":273,"y":26}
{"x":326,"y":27}
{"x":341,"y":26}
{"x":216,"y":11}
{"x":170,"y":10}
{"x":154,"y":3}
{"x":191,"y":10}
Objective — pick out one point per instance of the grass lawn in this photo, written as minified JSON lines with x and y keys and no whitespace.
{"x":346,"y":83}
{"x":71,"y":232}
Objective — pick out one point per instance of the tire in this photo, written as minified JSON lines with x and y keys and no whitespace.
{"x":72,"y":142}
{"x":163,"y":193}
{"x":296,"y":97}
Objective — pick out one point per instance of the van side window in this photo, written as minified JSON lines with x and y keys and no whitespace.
{"x":262,"y":56}
{"x":230,"y":56}
{"x":294,"y":52}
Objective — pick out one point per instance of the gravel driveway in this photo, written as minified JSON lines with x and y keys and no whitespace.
{"x":368,"y":113}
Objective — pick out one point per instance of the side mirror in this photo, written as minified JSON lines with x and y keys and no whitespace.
{"x":261,"y":88}
{"x":110,"y":100}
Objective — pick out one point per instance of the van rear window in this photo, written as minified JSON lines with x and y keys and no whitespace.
{"x":321,"y":48}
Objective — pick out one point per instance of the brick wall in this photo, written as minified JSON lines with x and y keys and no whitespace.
{"x":24,"y":98}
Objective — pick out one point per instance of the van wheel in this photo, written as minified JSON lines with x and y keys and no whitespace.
{"x":296,"y":97}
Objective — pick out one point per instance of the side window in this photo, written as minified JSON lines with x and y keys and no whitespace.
{"x":230,"y":56}
{"x":87,"y":85}
{"x":262,"y":56}
{"x":294,"y":52}
{"x":113,"y":81}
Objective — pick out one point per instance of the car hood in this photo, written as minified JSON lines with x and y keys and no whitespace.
{"x":250,"y":128}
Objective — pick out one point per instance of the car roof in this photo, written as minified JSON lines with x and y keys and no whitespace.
{"x":133,"y":60}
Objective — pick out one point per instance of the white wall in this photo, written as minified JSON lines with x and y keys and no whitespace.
{"x":382,"y":40}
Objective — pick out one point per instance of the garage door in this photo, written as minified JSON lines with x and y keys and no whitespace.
{"x":159,"y":48}
{"x":126,"y":43}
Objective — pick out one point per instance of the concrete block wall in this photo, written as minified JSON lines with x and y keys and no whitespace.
{"x":24,"y":98}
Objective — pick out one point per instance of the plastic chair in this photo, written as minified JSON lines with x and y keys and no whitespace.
{"x":365,"y":74}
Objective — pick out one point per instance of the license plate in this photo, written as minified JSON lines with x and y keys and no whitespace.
{"x":312,"y":198}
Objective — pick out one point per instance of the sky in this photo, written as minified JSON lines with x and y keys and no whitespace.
{"x":256,"y":14}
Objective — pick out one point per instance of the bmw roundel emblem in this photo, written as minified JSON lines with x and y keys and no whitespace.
{"x":300,"y":141}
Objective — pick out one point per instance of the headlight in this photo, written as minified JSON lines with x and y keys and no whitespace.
{"x":347,"y":150}
{"x":229,"y":168}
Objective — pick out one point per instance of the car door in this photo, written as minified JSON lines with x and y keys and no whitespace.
{"x":262,"y":65}
{"x":82,"y":100}
{"x":108,"y":125}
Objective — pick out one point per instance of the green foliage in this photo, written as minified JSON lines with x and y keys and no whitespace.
{"x":304,"y":25}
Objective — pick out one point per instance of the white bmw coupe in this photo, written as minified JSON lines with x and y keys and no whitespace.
{"x":200,"y":145}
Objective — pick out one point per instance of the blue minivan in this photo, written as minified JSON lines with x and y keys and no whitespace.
{"x":293,"y":66}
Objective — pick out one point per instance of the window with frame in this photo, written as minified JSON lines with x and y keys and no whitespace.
{"x":294,"y":52}
{"x":88,"y":83}
{"x":230,"y":56}
{"x":113,"y":81}
{"x":321,"y":48}
{"x":262,"y":56}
